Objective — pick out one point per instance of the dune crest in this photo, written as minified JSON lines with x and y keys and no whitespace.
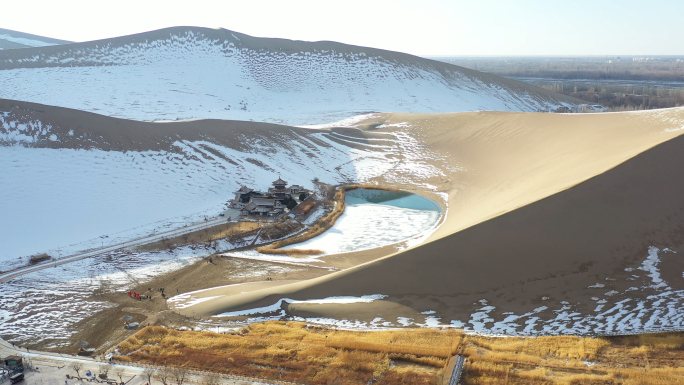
{"x":184,"y":73}
{"x":549,"y":215}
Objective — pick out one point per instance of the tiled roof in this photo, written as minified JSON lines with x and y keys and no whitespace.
{"x":244,"y":190}
{"x":263,"y":201}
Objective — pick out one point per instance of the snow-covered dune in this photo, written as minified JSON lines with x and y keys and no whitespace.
{"x":13,"y":39}
{"x":185,"y":73}
{"x":70,"y":177}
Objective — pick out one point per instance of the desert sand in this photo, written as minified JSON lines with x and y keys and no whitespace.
{"x":546,"y":215}
{"x":540,"y":208}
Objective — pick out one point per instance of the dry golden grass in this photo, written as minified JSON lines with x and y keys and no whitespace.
{"x":293,"y":352}
{"x":236,"y":229}
{"x":556,"y":346}
{"x":306,"y":354}
{"x":645,"y":359}
{"x":233,"y":231}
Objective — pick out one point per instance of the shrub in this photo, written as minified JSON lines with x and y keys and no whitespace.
{"x":39,"y":258}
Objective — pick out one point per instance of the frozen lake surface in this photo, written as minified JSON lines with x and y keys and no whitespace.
{"x":376,"y":218}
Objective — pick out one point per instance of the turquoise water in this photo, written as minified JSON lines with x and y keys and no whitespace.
{"x":391,"y":198}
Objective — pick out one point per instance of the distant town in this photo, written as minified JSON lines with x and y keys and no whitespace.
{"x":615,"y":83}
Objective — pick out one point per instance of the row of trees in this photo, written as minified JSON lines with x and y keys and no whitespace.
{"x":623,"y":98}
{"x":167,"y":376}
{"x":595,"y":68}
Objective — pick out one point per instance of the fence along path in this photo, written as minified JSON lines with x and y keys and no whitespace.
{"x":457,"y":362}
{"x":251,"y":380}
{"x":6,"y":276}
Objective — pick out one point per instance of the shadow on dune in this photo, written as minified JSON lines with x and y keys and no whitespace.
{"x":548,"y":252}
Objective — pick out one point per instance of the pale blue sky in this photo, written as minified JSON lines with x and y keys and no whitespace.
{"x":426,"y":27}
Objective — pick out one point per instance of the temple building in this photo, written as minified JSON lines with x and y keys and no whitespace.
{"x":279,"y":188}
{"x":272,"y":203}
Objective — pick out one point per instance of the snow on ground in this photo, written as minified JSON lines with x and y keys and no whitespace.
{"x":189,"y":75}
{"x":365,"y":225}
{"x":46,"y":305}
{"x":81,"y":199}
{"x":304,"y":260}
{"x":25,"y":41}
{"x":616,"y":313}
{"x":348,"y":122}
{"x":650,"y":266}
{"x":277,"y":307}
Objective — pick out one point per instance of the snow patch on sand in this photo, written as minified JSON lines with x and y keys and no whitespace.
{"x":278,"y":306}
{"x":182,"y":301}
{"x":650,"y":266}
{"x":616,"y":312}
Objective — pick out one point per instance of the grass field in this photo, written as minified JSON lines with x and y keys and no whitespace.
{"x":296,"y":352}
{"x":300,"y":353}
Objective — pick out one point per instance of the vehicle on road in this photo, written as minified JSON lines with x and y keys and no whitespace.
{"x":17,"y":377}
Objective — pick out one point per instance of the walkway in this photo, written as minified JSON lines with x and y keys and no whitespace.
{"x":132,"y":243}
{"x":52,"y":368}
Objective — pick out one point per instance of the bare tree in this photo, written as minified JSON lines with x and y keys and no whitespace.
{"x":77,"y":366}
{"x":179,"y":375}
{"x":211,"y":381}
{"x":149,"y":374}
{"x":162,"y":376}
{"x":104,"y":370}
{"x":119,"y":372}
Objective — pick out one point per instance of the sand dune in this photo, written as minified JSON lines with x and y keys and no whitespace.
{"x":555,"y":223}
{"x":184,"y":73}
{"x":552,"y":228}
{"x":93,"y":179}
{"x":501,"y":161}
{"x":10,"y":39}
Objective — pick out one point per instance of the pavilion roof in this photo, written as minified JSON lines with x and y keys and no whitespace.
{"x":244,"y":190}
{"x":280,"y":182}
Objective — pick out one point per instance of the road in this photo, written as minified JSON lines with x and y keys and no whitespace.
{"x":134,"y":242}
{"x":52,"y":368}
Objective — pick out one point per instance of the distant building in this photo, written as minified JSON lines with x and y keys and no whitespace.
{"x":263,"y":206}
{"x":296,"y":189}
